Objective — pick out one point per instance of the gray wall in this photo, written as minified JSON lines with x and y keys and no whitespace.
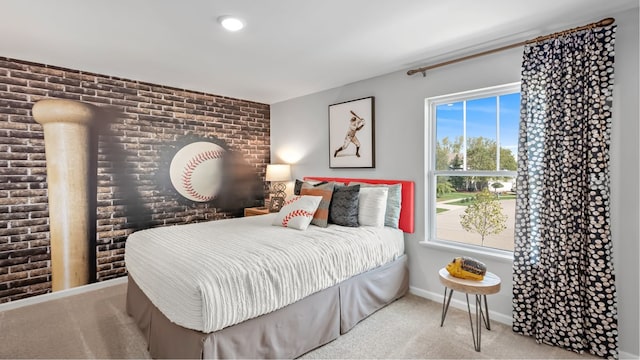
{"x":299,"y":128}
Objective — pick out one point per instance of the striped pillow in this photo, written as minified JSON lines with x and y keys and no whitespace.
{"x":321,"y":216}
{"x":298,"y":185}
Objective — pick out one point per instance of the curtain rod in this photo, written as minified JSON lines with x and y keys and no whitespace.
{"x":601,"y":23}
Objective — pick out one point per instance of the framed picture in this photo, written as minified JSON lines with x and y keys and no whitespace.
{"x":275,"y":204}
{"x":351,"y":134}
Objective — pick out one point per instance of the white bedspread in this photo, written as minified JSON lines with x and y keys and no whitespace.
{"x":208,"y":276}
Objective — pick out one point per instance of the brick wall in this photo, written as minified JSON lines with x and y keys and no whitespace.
{"x":148,"y":124}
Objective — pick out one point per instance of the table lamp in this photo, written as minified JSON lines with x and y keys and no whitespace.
{"x":278,"y":174}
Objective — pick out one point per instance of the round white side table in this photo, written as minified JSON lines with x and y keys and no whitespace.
{"x":487,"y":286}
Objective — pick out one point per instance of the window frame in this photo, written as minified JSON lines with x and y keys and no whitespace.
{"x":431,"y":173}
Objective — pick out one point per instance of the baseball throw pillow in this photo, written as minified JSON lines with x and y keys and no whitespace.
{"x":297,"y":212}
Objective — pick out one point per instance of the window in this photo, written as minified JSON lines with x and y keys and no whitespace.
{"x":471,"y":154}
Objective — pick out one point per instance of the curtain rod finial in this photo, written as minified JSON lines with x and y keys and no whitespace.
{"x":606,"y":22}
{"x":423,"y":71}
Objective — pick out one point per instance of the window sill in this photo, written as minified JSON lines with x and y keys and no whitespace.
{"x":474,"y":251}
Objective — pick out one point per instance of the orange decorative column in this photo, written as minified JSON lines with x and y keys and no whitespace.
{"x":67,"y":136}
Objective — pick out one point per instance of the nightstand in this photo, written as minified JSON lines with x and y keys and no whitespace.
{"x":252,"y":211}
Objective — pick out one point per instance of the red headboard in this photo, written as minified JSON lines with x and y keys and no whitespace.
{"x":406,"y":212}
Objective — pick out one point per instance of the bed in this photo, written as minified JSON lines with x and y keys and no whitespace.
{"x":326,"y":281}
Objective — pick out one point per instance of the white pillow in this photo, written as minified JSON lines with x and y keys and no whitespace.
{"x":297,"y":212}
{"x":372,"y":206}
{"x":394,"y":200}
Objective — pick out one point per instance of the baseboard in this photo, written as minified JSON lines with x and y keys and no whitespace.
{"x":459,"y":304}
{"x":625,"y":355}
{"x":62,"y":293}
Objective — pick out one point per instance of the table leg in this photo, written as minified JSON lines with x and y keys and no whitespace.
{"x":476,"y":333}
{"x":478,"y":319}
{"x":482,"y":315}
{"x":476,"y":343}
{"x":487,"y":323}
{"x":445,"y":308}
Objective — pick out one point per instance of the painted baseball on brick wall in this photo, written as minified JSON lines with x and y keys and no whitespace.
{"x":196,"y":171}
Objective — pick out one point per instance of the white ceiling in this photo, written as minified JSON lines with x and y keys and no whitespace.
{"x":289,"y":48}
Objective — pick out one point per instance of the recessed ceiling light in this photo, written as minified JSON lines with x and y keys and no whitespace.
{"x":231,"y":23}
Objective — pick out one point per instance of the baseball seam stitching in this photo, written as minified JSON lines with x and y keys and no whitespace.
{"x":190,"y":167}
{"x":295,"y":213}
{"x":291,"y":200}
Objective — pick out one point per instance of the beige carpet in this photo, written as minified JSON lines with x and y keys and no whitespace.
{"x":95,"y":325}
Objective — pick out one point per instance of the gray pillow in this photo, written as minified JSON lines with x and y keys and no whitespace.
{"x":394,"y":202}
{"x":344,"y":205}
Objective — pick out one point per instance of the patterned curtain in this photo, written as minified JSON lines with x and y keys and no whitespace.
{"x":563,"y":280}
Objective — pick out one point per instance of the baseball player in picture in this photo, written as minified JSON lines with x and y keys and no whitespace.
{"x":356,"y":123}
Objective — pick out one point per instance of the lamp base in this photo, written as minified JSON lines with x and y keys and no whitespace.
{"x":278,"y":190}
